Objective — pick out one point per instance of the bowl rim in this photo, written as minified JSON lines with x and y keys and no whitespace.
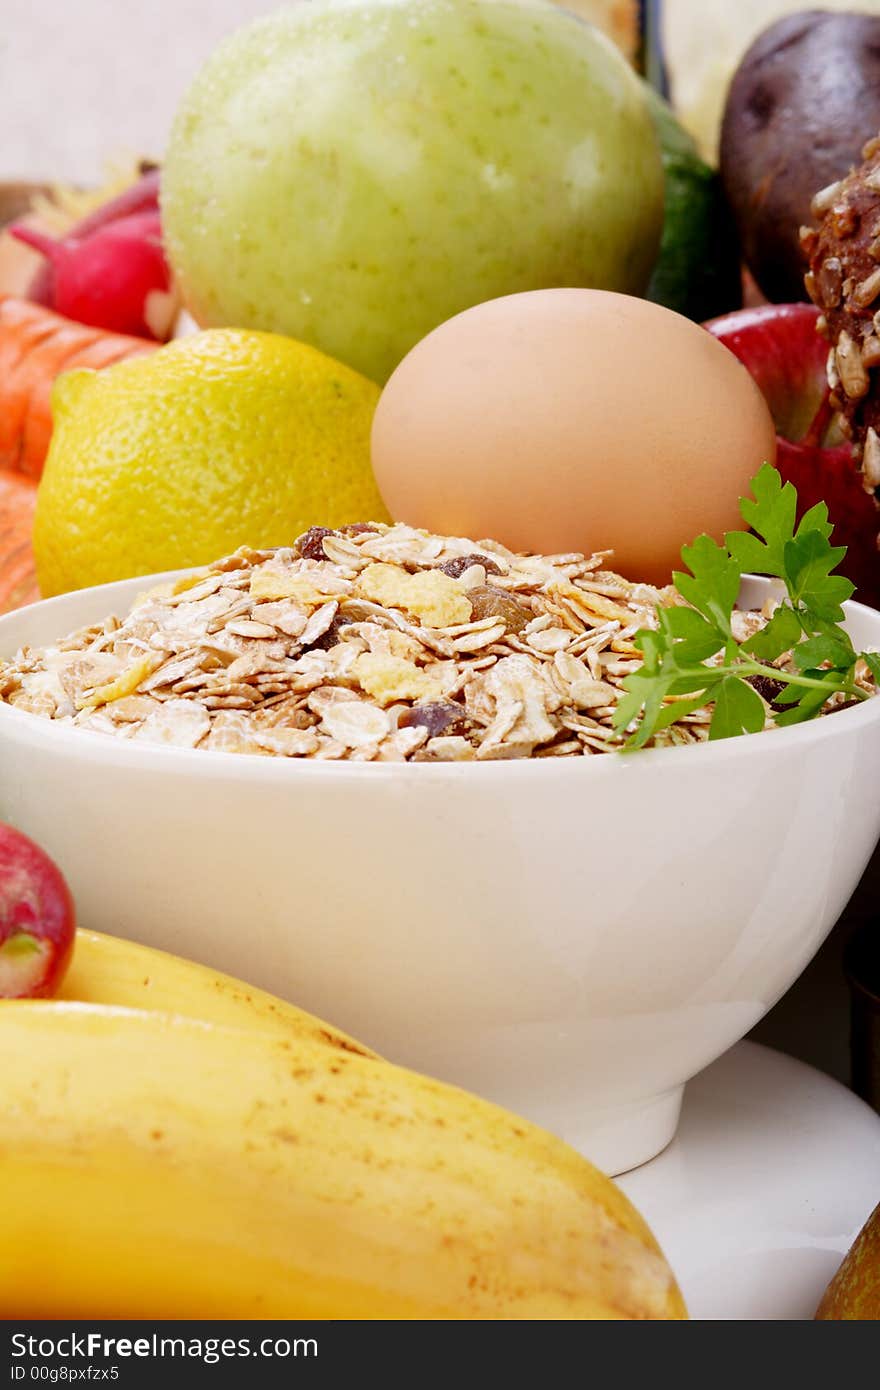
{"x":23,"y":726}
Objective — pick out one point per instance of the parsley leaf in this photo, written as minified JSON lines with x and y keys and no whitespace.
{"x":809,"y":558}
{"x":694,"y":638}
{"x":816,"y":519}
{"x":738,"y":709}
{"x":771,"y":516}
{"x":806,"y":704}
{"x":835,"y":648}
{"x":713,"y":584}
{"x":692,"y":658}
{"x":781,"y":633}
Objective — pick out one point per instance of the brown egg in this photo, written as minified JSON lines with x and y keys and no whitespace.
{"x":572,"y":419}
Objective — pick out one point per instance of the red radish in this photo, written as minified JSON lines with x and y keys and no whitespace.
{"x":116,"y":278}
{"x":782,"y":350}
{"x":142,"y":196}
{"x":37,"y":920}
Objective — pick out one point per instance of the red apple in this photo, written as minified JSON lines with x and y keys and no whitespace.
{"x":37,"y":920}
{"x":782,"y":350}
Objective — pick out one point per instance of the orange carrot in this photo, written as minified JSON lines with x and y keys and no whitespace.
{"x":18,"y":583}
{"x":36,"y":346}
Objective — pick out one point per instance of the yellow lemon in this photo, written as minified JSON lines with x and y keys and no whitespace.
{"x":222,"y":439}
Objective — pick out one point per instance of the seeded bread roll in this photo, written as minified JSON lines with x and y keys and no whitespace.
{"x":844,"y":282}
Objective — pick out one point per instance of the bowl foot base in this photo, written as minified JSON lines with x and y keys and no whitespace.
{"x":625,"y":1136}
{"x":772,"y":1172}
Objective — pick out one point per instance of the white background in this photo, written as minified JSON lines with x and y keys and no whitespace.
{"x":83,"y":81}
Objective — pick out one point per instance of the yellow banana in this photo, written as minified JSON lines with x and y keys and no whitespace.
{"x":156,"y":1166}
{"x":109,"y":970}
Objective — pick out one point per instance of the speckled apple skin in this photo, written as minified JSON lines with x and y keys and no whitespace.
{"x":352,"y":174}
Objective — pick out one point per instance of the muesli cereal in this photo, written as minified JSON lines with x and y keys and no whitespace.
{"x":371,"y":643}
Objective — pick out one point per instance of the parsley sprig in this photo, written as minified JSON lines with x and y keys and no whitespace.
{"x":692,"y":658}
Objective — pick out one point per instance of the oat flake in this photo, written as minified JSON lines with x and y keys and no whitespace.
{"x":281,"y":654}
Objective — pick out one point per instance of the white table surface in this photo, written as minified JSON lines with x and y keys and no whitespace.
{"x":774,"y":1170}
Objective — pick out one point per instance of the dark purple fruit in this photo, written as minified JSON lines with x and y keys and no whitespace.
{"x":439,"y":717}
{"x":456,"y":567}
{"x":802,"y":102}
{"x":310,"y":545}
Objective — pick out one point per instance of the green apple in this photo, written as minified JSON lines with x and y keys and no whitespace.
{"x":353,"y":172}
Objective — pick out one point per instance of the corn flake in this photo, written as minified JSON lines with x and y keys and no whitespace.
{"x":125,"y":684}
{"x":429,"y":595}
{"x":390,"y":678}
{"x":274,"y":585}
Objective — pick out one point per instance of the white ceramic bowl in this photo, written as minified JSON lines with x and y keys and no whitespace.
{"x":574,"y":938}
